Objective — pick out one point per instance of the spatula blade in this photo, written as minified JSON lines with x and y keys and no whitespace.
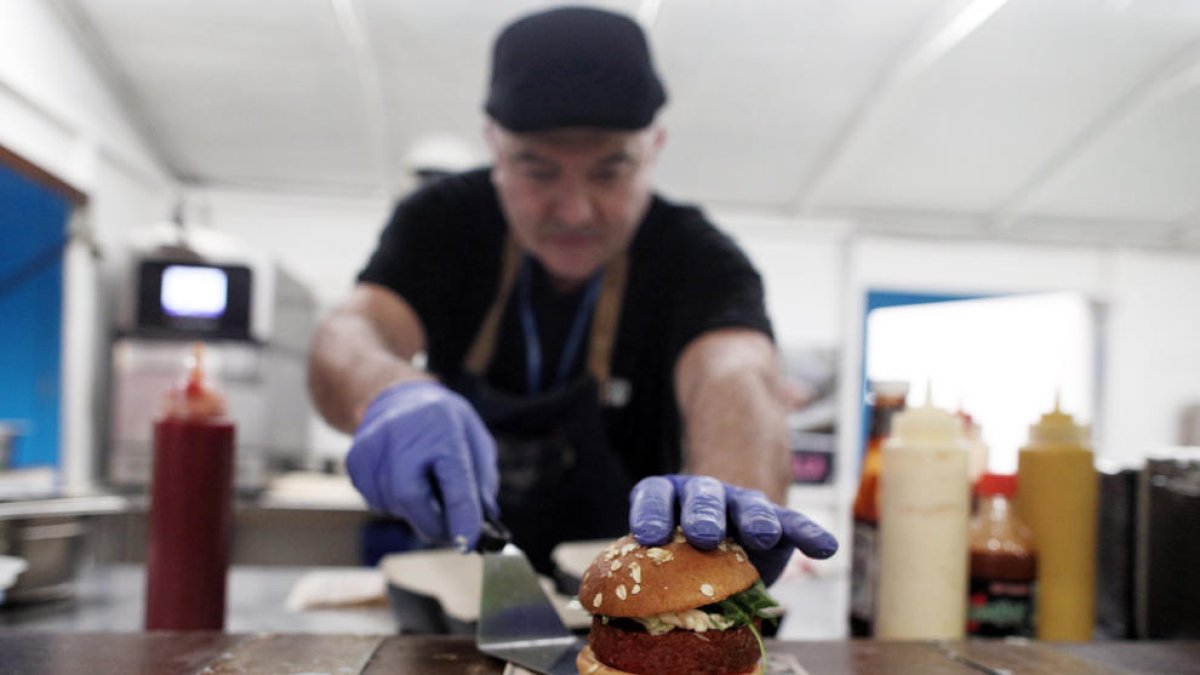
{"x":517,"y":622}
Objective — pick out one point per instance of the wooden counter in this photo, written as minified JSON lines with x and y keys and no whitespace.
{"x":278,"y":654}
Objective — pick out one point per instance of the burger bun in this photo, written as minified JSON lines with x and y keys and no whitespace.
{"x":627,"y":579}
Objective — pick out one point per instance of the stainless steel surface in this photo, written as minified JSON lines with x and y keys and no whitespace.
{"x":517,"y":622}
{"x":64,"y":506}
{"x":53,"y":548}
{"x":50,"y":536}
{"x":110,"y":599}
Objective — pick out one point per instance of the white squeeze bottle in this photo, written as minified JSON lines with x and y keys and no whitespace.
{"x":924,"y":511}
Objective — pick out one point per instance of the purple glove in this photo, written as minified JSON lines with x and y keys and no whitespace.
{"x":710,"y":510}
{"x":423,"y":454}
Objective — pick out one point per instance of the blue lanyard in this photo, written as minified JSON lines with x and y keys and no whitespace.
{"x":533,"y":344}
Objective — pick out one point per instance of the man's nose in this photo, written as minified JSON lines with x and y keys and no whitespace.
{"x":573,"y":204}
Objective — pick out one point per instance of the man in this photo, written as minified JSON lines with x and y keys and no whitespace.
{"x":581,"y":332}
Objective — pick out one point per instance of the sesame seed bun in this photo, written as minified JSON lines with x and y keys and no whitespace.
{"x":630,"y":580}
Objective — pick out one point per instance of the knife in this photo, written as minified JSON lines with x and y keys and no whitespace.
{"x":517,"y":622}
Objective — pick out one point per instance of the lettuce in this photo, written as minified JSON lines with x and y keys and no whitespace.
{"x":753,"y":603}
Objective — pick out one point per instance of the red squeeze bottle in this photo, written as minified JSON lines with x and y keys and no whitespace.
{"x":187,"y":552}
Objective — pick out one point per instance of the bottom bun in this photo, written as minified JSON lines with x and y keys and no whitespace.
{"x":587,"y":664}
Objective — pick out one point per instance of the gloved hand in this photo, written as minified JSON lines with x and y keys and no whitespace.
{"x":709,"y":511}
{"x":422,"y":454}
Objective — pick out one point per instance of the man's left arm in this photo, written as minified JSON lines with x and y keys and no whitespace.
{"x":731,"y":396}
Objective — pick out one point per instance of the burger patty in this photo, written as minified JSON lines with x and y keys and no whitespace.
{"x":627,"y":646}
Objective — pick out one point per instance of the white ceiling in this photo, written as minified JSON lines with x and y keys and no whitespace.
{"x":980,"y":115}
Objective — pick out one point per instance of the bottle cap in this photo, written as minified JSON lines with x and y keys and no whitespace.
{"x":892,"y":390}
{"x":194,"y":397}
{"x":996,"y":484}
{"x":926,"y":425}
{"x":1057,"y":428}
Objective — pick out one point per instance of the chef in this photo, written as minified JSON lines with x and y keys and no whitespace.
{"x":550,"y":342}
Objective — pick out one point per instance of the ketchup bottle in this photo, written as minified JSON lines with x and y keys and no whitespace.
{"x":1003,"y":563}
{"x":187,"y":552}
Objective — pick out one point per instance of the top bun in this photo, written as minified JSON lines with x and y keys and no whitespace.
{"x":630,"y":580}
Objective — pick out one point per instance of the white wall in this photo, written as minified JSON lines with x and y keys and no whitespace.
{"x":323,"y":241}
{"x":57,"y":111}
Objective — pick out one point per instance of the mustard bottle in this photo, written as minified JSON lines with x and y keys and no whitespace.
{"x":924,"y":504}
{"x":1057,"y":492}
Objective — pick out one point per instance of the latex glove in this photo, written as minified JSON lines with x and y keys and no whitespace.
{"x":421,"y":453}
{"x":709,"y":511}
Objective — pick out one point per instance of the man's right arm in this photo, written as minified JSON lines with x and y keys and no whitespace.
{"x":363,"y":347}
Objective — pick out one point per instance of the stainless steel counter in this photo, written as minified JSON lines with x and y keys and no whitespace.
{"x":110,"y":598}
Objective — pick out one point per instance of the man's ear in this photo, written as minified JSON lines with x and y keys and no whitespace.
{"x":660,"y":138}
{"x":491,"y":136}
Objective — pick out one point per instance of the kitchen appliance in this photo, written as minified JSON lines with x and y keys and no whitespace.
{"x":183,"y":285}
{"x":1167,"y":558}
{"x":1149,"y":548}
{"x":1115,"y":551}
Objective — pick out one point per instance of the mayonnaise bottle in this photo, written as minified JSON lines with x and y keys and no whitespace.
{"x":924,"y":513}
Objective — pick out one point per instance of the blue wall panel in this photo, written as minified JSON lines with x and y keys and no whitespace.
{"x":33,"y":221}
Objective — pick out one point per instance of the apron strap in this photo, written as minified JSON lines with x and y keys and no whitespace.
{"x":601,"y":339}
{"x":480,"y":354}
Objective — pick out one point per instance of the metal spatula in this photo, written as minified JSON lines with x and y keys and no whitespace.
{"x":517,"y":623}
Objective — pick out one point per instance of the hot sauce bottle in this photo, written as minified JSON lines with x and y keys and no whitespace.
{"x":887,"y":399}
{"x":1003,"y":563}
{"x":187,"y":552}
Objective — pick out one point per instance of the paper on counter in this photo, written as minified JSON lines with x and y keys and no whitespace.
{"x":341,"y":587}
{"x":456,"y":582}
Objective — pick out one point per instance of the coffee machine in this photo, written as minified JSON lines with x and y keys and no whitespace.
{"x":185,"y":285}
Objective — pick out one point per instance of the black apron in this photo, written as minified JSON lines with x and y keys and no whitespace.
{"x":559,"y":480}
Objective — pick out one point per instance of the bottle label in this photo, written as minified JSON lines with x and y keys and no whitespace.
{"x":1000,"y":608}
{"x":864,"y":577}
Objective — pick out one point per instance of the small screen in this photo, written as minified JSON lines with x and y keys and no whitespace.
{"x":193,"y":299}
{"x":194,"y":292}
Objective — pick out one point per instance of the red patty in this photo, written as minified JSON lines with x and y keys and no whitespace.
{"x":626,"y":646}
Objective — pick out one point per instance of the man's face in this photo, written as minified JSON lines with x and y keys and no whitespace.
{"x":573,"y":198}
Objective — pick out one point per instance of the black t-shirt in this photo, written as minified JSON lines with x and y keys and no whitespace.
{"x":442,"y":250}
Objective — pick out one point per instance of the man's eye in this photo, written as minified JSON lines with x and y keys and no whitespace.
{"x":540,"y":176}
{"x":606,"y":177}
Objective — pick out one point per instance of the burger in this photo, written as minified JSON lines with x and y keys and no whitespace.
{"x":673,"y":609}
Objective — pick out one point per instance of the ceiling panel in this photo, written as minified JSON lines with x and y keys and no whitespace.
{"x":760,"y":91}
{"x":1061,"y":111}
{"x":1146,"y":168}
{"x":967,"y":133}
{"x":259,"y":93}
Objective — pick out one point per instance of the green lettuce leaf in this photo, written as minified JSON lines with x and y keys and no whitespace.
{"x":743,"y":608}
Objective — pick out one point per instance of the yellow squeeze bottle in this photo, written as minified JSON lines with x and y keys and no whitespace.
{"x":1057,"y":492}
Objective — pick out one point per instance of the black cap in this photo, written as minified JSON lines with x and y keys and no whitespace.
{"x":573,"y":67}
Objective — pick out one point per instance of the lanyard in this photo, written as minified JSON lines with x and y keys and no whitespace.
{"x":533,"y":344}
